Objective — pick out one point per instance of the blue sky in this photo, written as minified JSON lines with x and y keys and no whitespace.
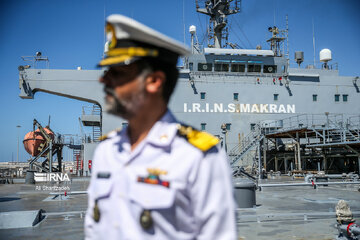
{"x":70,"y":33}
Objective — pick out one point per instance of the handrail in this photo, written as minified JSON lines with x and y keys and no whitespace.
{"x":314,"y":121}
{"x":327,"y":128}
{"x":245,"y":145}
{"x":91,"y":110}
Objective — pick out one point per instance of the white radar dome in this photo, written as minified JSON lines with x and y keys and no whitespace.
{"x":325,"y":55}
{"x":192,"y":29}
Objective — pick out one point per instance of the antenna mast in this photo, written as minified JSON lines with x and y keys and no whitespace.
{"x":287,"y":37}
{"x":313,"y":39}
{"x":277,"y":39}
{"x":218,"y":10}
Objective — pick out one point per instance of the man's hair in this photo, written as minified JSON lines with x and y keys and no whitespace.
{"x":170,"y":70}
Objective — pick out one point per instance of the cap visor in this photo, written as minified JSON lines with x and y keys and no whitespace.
{"x":119,"y":60}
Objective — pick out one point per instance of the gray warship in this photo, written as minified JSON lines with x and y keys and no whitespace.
{"x":237,"y":94}
{"x":291,"y":132}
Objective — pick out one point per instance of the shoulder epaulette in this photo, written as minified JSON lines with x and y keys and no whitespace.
{"x":108,"y":135}
{"x":103,"y":137}
{"x":202,"y":140}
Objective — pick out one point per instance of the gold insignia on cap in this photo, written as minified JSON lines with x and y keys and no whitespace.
{"x":119,"y":55}
{"x":143,"y":42}
{"x":110,"y":34}
{"x":133,"y":52}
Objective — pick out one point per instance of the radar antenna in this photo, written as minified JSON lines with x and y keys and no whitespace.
{"x":218,"y":10}
{"x":276,"y":40}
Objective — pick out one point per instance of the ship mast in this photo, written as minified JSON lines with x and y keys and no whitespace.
{"x":218,"y":10}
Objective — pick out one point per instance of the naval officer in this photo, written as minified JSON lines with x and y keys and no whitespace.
{"x":156,"y":178}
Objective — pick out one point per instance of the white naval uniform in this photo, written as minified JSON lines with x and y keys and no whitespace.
{"x":198,"y":204}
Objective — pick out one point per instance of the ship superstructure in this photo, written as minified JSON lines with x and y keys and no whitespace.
{"x":241,"y":96}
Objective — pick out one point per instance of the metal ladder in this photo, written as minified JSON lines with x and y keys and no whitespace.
{"x":96,"y":131}
{"x":251,"y":140}
{"x":77,"y":159}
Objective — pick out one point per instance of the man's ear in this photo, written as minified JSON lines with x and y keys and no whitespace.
{"x":155,"y":82}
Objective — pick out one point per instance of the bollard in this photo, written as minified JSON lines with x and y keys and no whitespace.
{"x":244,"y":193}
{"x":29,"y":179}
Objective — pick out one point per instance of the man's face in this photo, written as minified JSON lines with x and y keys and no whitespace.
{"x":124,"y":89}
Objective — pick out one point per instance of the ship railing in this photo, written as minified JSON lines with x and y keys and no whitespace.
{"x":311,"y":121}
{"x":91,"y":110}
{"x":70,"y":139}
{"x":220,"y":75}
{"x":354,"y":122}
{"x":285,"y":124}
{"x":246,"y":140}
{"x":333,"y":66}
{"x":334,"y":136}
{"x":311,"y":65}
{"x":35,"y":60}
{"x":353,"y":125}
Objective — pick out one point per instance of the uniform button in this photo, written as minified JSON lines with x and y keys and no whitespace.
{"x":146,"y":220}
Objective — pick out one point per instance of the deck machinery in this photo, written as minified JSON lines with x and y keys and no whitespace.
{"x":43,"y":144}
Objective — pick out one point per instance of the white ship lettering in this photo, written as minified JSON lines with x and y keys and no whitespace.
{"x":238,"y":108}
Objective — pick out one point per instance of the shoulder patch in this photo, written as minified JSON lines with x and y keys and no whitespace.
{"x":108,"y":135}
{"x":202,"y":140}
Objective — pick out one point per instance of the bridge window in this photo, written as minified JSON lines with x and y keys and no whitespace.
{"x":314,"y":97}
{"x":202,"y":95}
{"x":345,"y":97}
{"x":270,"y":68}
{"x":221,"y":67}
{"x":254,"y":68}
{"x":228,"y":125}
{"x":237,"y":67}
{"x":337,"y":97}
{"x":203,"y":126}
{"x":276,"y":97}
{"x":205,"y":67}
{"x":236,"y":96}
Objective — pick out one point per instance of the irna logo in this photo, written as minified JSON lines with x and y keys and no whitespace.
{"x":51,"y":177}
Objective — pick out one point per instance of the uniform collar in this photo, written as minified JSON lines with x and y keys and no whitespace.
{"x":163,"y":131}
{"x":161,"y":134}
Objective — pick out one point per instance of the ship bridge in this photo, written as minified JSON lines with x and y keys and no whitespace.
{"x":238,"y":61}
